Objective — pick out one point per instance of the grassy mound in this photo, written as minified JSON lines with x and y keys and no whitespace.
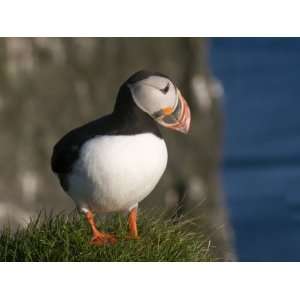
{"x":66,"y":238}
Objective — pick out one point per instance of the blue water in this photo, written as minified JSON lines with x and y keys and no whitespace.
{"x":261,"y":163}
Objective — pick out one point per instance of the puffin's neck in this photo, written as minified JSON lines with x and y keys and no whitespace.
{"x":130,"y":116}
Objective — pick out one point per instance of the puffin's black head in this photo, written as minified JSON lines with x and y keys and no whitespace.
{"x":156,"y":95}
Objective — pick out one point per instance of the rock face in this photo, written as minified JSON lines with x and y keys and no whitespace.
{"x":50,"y":85}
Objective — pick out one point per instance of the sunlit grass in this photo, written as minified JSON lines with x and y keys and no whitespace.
{"x":66,"y":238}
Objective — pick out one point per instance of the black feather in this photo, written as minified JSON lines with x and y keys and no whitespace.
{"x":126,"y":119}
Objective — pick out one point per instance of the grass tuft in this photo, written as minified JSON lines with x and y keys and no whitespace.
{"x":66,"y":238}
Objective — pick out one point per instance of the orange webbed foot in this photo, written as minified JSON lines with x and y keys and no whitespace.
{"x":102,"y":239}
{"x":99,"y":238}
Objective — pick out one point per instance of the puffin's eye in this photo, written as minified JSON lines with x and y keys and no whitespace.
{"x":165,"y":89}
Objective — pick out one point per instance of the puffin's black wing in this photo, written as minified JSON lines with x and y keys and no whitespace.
{"x":66,"y":151}
{"x":127,"y":119}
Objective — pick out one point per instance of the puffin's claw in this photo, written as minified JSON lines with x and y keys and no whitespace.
{"x":103,"y":239}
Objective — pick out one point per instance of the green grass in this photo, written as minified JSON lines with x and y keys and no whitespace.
{"x":66,"y":238}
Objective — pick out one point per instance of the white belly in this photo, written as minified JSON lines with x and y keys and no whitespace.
{"x":114,"y":173}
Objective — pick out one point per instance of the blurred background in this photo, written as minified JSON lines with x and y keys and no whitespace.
{"x":240,"y":160}
{"x":261,"y":158}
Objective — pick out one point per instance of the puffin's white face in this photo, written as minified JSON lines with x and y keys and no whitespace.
{"x":162,"y":100}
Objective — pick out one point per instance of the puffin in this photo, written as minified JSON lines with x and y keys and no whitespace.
{"x":114,"y":162}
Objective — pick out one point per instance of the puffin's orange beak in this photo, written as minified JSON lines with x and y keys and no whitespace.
{"x":177,"y":118}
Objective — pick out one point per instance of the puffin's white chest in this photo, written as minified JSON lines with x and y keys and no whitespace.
{"x":114,"y":173}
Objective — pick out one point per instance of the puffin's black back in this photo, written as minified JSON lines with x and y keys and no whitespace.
{"x":126,"y":119}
